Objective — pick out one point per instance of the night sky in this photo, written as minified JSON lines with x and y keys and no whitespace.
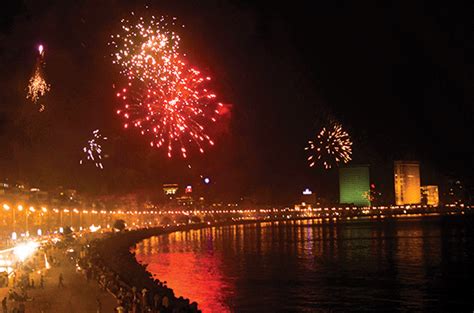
{"x":399,"y":77}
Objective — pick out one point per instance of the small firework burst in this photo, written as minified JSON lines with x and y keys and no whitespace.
{"x":37,"y":86}
{"x":93,"y":150}
{"x":331,"y":146}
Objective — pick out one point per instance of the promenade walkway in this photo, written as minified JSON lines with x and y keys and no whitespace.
{"x":77,"y":295}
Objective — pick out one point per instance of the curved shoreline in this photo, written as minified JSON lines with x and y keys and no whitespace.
{"x":115,"y":251}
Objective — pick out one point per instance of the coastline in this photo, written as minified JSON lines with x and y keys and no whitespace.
{"x":116,"y":252}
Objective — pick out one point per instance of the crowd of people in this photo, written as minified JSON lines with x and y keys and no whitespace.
{"x":22,"y":281}
{"x":108,"y":261}
{"x":135,"y":289}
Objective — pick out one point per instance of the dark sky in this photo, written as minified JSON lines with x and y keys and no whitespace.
{"x":399,"y":77}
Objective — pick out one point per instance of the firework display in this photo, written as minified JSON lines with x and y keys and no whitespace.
{"x":93,"y":149}
{"x":331,"y":146}
{"x":165,"y":98}
{"x":173,"y":114}
{"x":146,"y":49}
{"x":37,"y":86}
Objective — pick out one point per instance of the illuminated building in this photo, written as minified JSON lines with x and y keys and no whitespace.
{"x":354,"y":185}
{"x":407,"y":182}
{"x":170,"y":189}
{"x":430,"y":195}
{"x":4,"y":187}
{"x":308,"y":197}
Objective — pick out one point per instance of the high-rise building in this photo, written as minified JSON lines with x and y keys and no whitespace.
{"x":354,"y":185}
{"x":170,"y":189}
{"x":429,"y":195}
{"x":407,"y":182}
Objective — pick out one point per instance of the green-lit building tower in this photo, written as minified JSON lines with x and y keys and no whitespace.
{"x":354,"y":185}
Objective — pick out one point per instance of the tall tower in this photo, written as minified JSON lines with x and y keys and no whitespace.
{"x":354,"y":185}
{"x":407,"y":182}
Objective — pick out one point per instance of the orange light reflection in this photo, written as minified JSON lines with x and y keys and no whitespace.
{"x":196,"y":276}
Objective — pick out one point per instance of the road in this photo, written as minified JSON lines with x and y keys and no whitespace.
{"x":77,"y":295}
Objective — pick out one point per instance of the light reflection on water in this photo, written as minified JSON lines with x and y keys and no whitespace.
{"x":307,"y":266}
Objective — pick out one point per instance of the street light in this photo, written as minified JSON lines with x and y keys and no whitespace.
{"x":27,"y":214}
{"x":20,"y":208}
{"x":42,"y":213}
{"x":75,"y":211}
{"x":6,"y":207}
{"x":65,"y":211}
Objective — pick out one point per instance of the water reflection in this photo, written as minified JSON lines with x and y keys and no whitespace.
{"x":307,"y":266}
{"x":188,"y":263}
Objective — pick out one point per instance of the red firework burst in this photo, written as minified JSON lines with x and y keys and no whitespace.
{"x":172,"y":111}
{"x":165,"y":98}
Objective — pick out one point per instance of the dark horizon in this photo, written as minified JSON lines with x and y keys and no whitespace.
{"x":397,"y":78}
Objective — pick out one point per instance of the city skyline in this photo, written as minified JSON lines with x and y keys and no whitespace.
{"x":356,"y":187}
{"x":268,"y":117}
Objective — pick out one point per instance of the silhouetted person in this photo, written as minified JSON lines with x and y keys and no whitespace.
{"x":4,"y":305}
{"x":156,"y":301}
{"x":60,"y":281}
{"x":165,"y":302}
{"x":99,"y":306}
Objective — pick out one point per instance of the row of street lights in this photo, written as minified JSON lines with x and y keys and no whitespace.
{"x":20,"y":208}
{"x":42,"y":211}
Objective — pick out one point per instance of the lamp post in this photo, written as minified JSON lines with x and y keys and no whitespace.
{"x":73,"y":211}
{"x":26,"y":222}
{"x":43,"y":213}
{"x":27,"y":214}
{"x":20,"y":208}
{"x":61,"y":218}
{"x":6,"y":207}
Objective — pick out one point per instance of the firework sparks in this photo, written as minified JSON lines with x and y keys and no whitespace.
{"x":173,"y":114}
{"x":146,"y":49}
{"x":331,"y":146}
{"x":38,"y":86}
{"x":165,"y":98}
{"x":93,"y":149}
